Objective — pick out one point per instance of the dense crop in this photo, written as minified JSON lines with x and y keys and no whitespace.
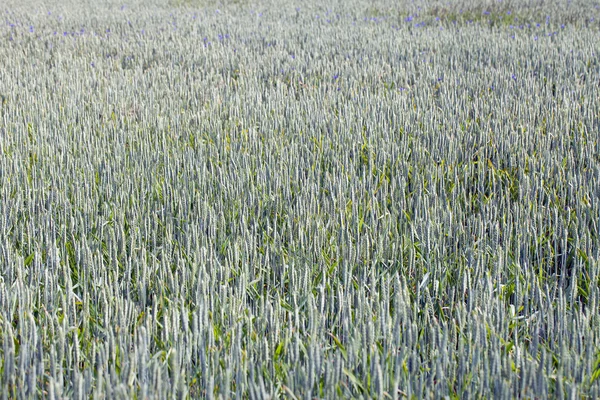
{"x":374,"y":200}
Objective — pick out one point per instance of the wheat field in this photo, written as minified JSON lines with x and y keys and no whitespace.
{"x":299,"y":199}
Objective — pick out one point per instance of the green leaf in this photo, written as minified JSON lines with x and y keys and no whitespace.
{"x":340,"y":346}
{"x":29,"y":259}
{"x":279,"y":350}
{"x":355,"y":381}
{"x":596,"y":372}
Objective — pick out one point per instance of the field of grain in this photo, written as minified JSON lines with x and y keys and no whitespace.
{"x":299,"y":199}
